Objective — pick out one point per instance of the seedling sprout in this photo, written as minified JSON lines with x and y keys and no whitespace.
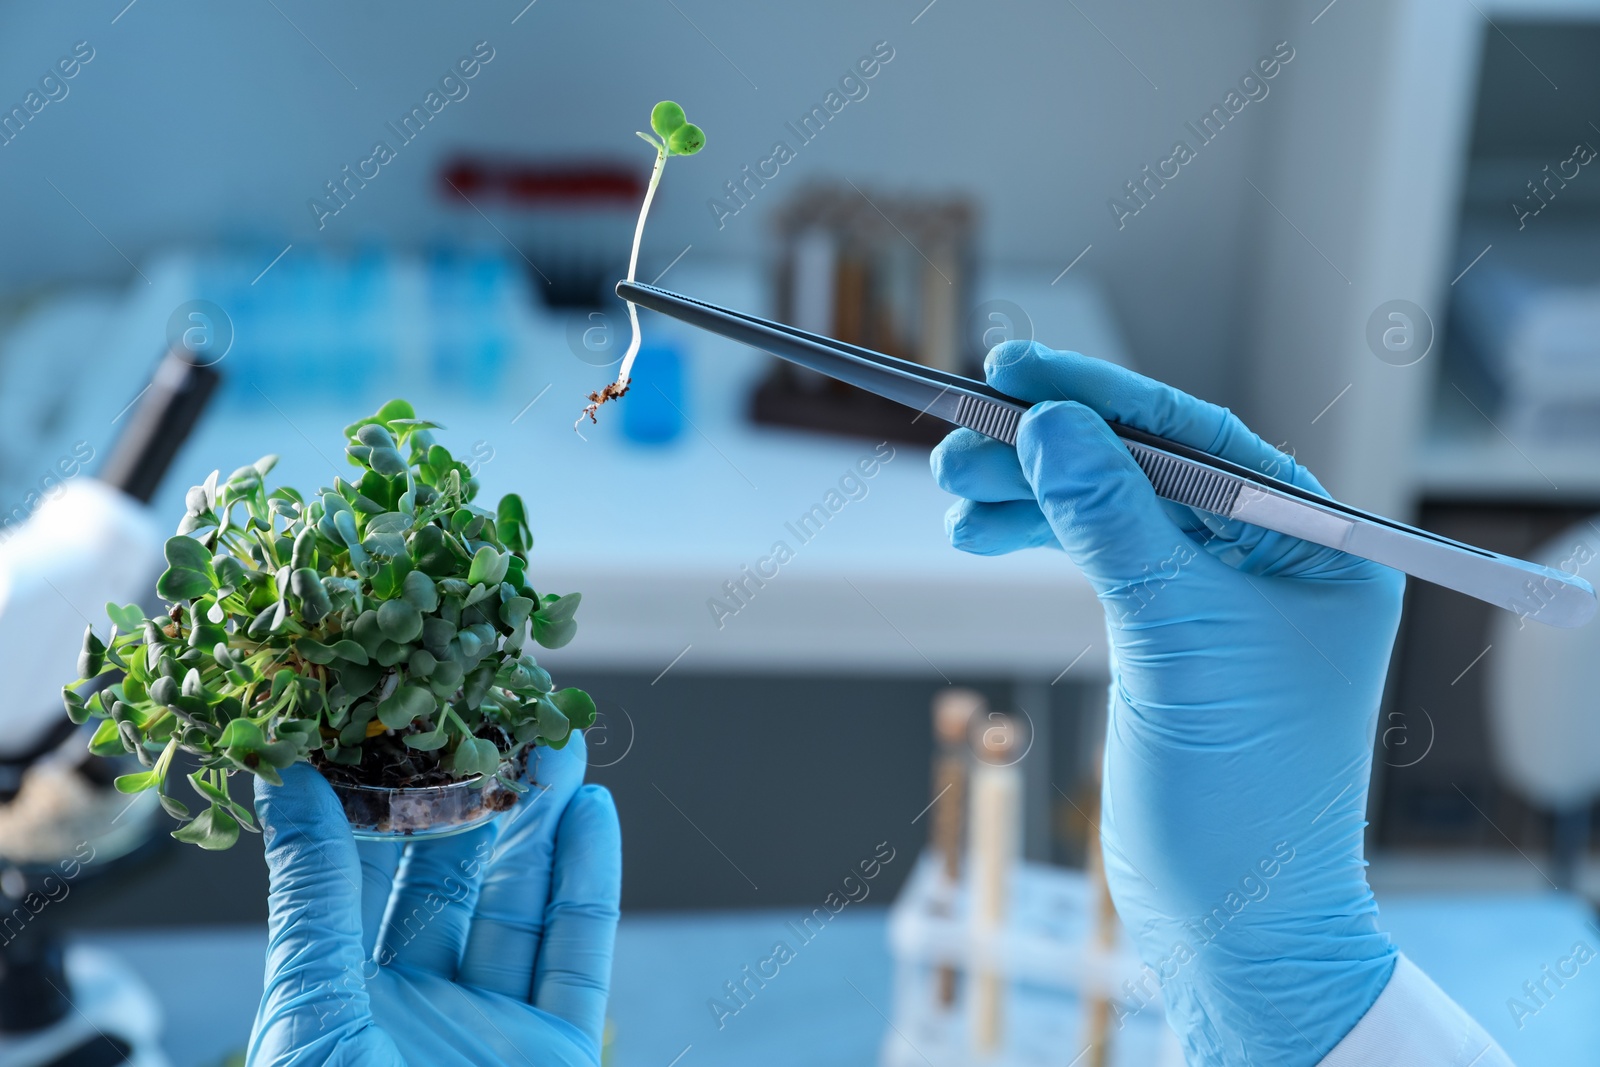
{"x":675,"y":136}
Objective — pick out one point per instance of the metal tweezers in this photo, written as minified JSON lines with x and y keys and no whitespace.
{"x":1179,"y":473}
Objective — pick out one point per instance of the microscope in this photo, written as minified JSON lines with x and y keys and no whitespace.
{"x":64,"y":553}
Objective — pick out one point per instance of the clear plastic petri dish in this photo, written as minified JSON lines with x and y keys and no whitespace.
{"x":382,"y":813}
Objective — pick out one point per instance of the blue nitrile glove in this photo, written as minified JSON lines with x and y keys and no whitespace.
{"x":1247,"y":669}
{"x":489,"y":947}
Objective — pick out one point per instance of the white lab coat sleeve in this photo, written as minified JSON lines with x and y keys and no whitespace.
{"x":1414,"y":1024}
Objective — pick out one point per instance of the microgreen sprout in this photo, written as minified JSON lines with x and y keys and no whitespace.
{"x":375,"y":630}
{"x":674,"y":136}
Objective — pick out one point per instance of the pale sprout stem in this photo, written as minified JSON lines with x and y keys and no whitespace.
{"x":633,"y":265}
{"x":620,"y":386}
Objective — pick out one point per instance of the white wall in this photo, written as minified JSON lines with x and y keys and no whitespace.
{"x":204,"y":120}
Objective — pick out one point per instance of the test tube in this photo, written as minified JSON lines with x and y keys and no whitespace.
{"x":953,"y":713}
{"x":994,"y":838}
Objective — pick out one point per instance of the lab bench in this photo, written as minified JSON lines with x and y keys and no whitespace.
{"x":655,"y":536}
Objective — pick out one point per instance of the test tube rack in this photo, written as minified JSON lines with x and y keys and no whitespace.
{"x":1045,"y":957}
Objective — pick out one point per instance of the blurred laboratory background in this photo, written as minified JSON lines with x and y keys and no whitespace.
{"x":1380,"y":246}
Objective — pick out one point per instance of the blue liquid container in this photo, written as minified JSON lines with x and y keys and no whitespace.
{"x":652,"y":412}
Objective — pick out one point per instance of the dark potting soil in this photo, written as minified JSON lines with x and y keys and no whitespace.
{"x":386,"y":763}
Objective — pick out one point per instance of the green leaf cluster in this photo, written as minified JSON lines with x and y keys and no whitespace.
{"x":386,"y":610}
